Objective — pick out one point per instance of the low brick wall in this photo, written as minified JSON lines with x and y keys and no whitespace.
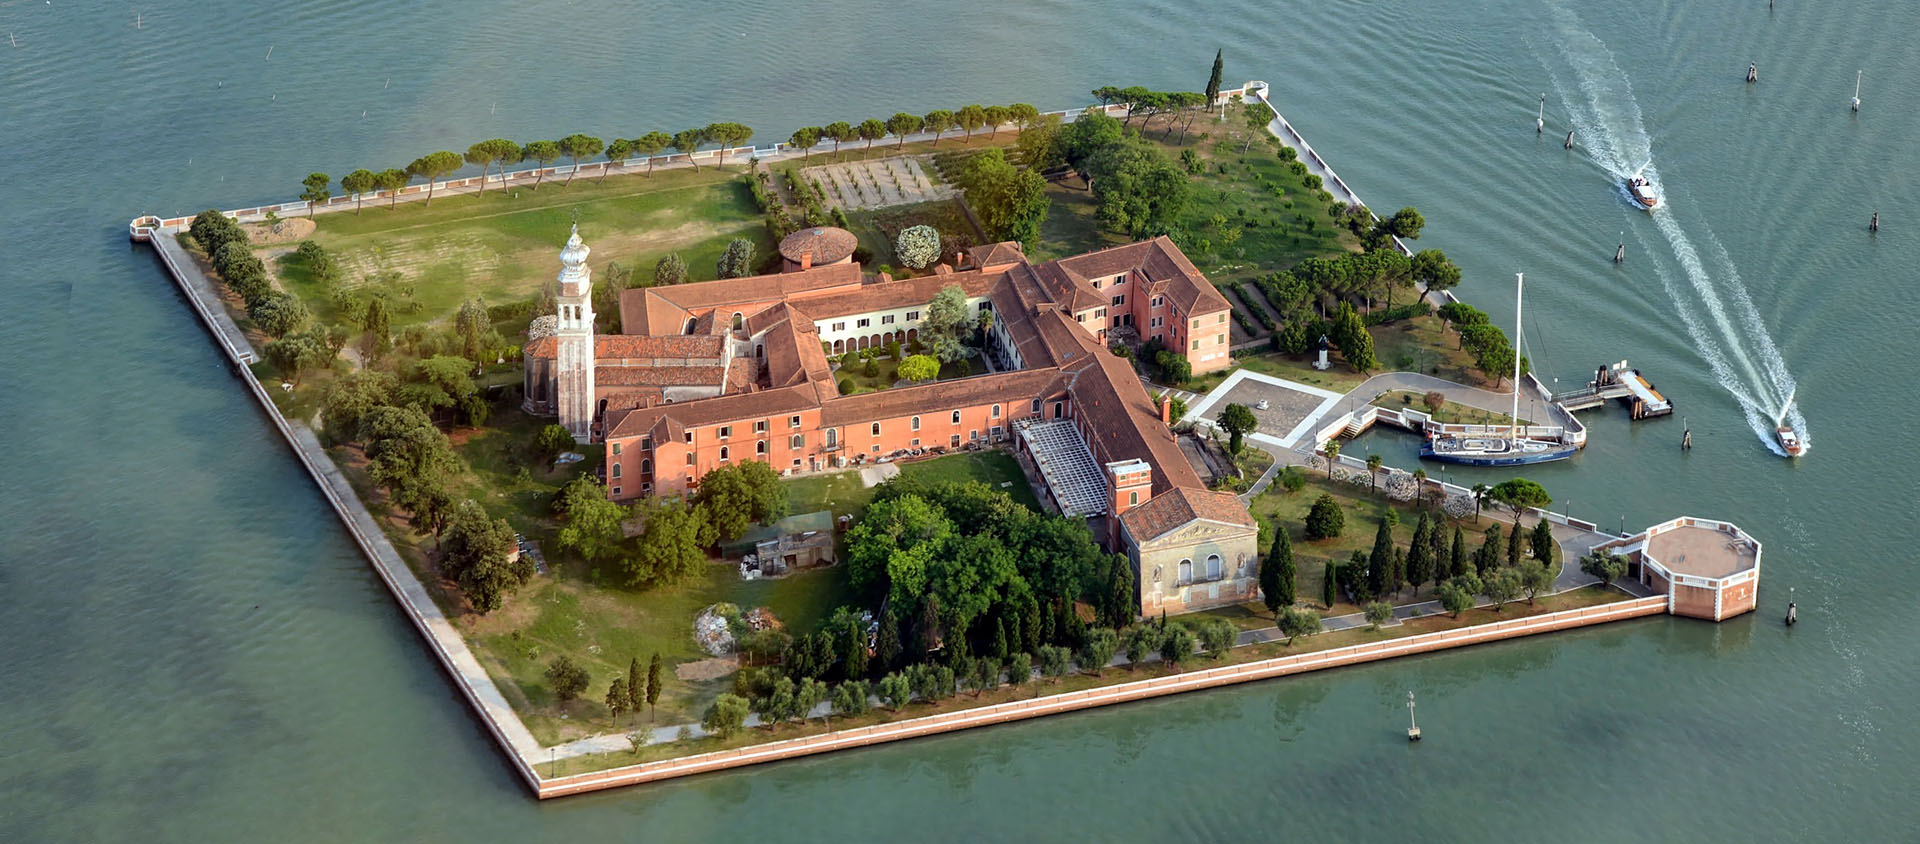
{"x":1121,"y":693}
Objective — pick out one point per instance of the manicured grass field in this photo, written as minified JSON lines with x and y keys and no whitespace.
{"x":503,"y":245}
{"x":889,"y":373}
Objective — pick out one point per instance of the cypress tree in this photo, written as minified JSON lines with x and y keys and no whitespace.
{"x":636,"y":686}
{"x":887,"y":646}
{"x":1437,"y":540}
{"x":1488,"y":557}
{"x":1457,"y":559}
{"x":1515,"y":545}
{"x":653,"y":683}
{"x":1000,"y":639}
{"x":1120,"y":601}
{"x":1277,"y":573}
{"x":1420,"y":553}
{"x":1380,"y":563}
{"x":1542,"y":542}
{"x":1327,"y":583}
{"x":1399,"y":573}
{"x":1014,"y":638}
{"x":1213,"y":82}
{"x":1030,"y":625}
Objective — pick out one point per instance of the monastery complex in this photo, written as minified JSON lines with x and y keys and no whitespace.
{"x":714,"y":372}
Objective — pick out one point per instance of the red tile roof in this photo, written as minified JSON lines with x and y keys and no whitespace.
{"x":825,"y":245}
{"x":1166,"y":512}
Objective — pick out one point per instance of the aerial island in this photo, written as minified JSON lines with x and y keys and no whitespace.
{"x":686,"y":455}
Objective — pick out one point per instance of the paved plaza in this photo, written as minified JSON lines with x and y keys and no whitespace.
{"x":1291,"y":409}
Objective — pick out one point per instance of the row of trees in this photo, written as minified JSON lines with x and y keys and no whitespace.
{"x":969,"y":118}
{"x":1492,"y":352}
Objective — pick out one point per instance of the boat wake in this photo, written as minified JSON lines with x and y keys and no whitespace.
{"x":1703,"y":285}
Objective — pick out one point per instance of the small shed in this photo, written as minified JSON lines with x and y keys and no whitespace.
{"x":796,"y":543}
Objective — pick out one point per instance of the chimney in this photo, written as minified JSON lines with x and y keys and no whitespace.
{"x":1166,"y":408}
{"x":806,"y":260}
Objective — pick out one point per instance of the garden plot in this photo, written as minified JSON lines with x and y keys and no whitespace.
{"x":864,"y":185}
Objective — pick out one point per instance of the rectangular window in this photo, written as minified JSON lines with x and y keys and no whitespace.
{"x":616,"y":490}
{"x":839,"y":326}
{"x":886,"y":319}
{"x":916,"y":442}
{"x":1196,"y":345}
{"x":1221,"y":339}
{"x":1154,"y":323}
{"x":793,"y":422}
{"x":1158,"y":301}
{"x":1119,"y":300}
{"x":913,"y":316}
{"x":1100,"y":313}
{"x":1223,"y":318}
{"x":616,"y":449}
{"x":1196,"y":323}
{"x":862,"y":323}
{"x":760,"y":427}
{"x":689,"y":438}
{"x":1079,"y":317}
{"x":726,"y":431}
{"x":1096,"y":284}
{"x":646,"y":443}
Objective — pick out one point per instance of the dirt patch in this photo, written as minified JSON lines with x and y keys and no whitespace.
{"x":706,"y":669}
{"x":284,"y":231}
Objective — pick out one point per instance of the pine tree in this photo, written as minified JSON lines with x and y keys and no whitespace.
{"x":1327,"y":584}
{"x":1419,"y":553}
{"x":1277,"y":573}
{"x":1457,"y":558}
{"x":654,"y":682}
{"x":1515,"y":545}
{"x":1380,"y":562}
{"x":636,"y":686}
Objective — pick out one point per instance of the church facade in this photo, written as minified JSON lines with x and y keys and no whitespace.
{"x":711,"y":373}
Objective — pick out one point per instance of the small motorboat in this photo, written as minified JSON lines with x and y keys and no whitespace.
{"x":1642,"y":191}
{"x":1790,"y":441}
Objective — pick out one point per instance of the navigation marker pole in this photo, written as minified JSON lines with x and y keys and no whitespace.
{"x":1620,"y":252}
{"x":1856,"y":91}
{"x":1753,"y":73}
{"x":1686,"y":435}
{"x":1540,"y":121}
{"x":1793,"y":609}
{"x":1413,"y":726}
{"x":1569,"y":143}
{"x":1873,"y":225}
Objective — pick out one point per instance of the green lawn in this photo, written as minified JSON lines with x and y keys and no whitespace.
{"x":842,"y":492}
{"x":502,"y":246}
{"x":878,"y":228}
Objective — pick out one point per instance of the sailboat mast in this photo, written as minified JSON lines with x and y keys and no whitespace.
{"x":1519,"y":289}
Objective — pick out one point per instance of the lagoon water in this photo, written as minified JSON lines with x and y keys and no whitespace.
{"x":192,"y":650}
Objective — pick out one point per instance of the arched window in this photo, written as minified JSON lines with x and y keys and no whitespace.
{"x":1156,"y":574}
{"x":1213,"y":566}
{"x":1133,"y":498}
{"x":956,"y":417}
{"x":833,"y":437}
{"x":760,"y":448}
{"x":759,"y":350}
{"x":915,"y":423}
{"x":616,"y":470}
{"x":738,"y":321}
{"x":1186,"y":572}
{"x":723,"y":454}
{"x":876,"y":429}
{"x":996,"y":411}
{"x":646,"y":465}
{"x":691,"y":322}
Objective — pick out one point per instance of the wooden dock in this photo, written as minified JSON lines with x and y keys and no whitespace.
{"x":1617,"y":382}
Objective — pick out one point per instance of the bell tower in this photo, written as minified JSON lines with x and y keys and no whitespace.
{"x":574,"y":352}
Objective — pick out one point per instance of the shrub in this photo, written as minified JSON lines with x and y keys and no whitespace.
{"x":552,"y":440}
{"x":565,"y":679}
{"x":1378,"y":613}
{"x":846,"y":386}
{"x":1434,"y":400}
{"x":1325,"y":520}
{"x":872,"y":369}
{"x":1293,"y":479}
{"x":917,"y":246}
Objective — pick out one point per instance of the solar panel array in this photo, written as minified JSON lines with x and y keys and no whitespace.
{"x":1077,"y":482}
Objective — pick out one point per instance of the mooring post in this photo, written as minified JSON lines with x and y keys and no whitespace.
{"x":1569,"y":144}
{"x":1873,"y":225}
{"x":1753,"y":72}
{"x":1793,"y":609}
